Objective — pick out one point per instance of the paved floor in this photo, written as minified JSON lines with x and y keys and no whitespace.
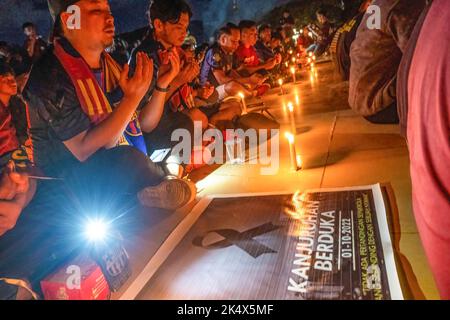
{"x":338,"y":149}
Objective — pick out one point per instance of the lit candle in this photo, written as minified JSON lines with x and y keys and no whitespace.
{"x":286,"y":64}
{"x":310,"y":54}
{"x":291,"y":52}
{"x":293,"y":152}
{"x":244,"y":105}
{"x":312,"y":66}
{"x":291,"y":117}
{"x":301,"y":31}
{"x":309,"y":60}
{"x":294,"y":60}
{"x":310,"y":34}
{"x":299,"y":162}
{"x":280,"y":82}
{"x":297,"y":100}
{"x":314,"y":58}
{"x":293,"y":71}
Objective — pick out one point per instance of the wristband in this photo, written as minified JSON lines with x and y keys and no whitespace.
{"x":165,"y":90}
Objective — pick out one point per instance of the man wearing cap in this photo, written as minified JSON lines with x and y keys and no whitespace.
{"x":83,"y":115}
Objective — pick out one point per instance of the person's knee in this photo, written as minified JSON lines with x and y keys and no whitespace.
{"x":232,"y":88}
{"x":197,"y":115}
{"x":232,"y":108}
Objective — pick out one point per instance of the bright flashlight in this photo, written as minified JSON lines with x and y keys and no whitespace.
{"x":96,"y":230}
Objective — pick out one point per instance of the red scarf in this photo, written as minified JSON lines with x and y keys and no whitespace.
{"x":90,"y":95}
{"x":8,"y":138}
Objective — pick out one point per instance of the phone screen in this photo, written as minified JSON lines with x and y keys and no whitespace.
{"x":159,"y":155}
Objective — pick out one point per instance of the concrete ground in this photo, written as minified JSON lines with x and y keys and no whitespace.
{"x":338,"y":148}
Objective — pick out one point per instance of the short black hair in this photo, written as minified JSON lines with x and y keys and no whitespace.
{"x":264,"y":27}
{"x":246,"y":24}
{"x":5,"y":69}
{"x":277,"y":36}
{"x":321,"y":12}
{"x":168,"y":10}
{"x":232,"y":26}
{"x":28,"y":25}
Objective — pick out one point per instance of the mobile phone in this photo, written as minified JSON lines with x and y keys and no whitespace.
{"x":159,"y":155}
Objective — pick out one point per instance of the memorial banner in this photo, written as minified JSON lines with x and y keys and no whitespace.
{"x":320,"y":244}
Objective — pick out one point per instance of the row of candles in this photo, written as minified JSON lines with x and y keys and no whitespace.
{"x":293,"y":70}
{"x":296,"y":162}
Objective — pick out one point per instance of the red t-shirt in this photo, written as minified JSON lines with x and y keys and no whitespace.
{"x":247,"y":57}
{"x":429,"y":140}
{"x":8,"y":138}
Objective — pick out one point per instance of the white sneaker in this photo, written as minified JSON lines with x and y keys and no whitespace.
{"x":171,"y":194}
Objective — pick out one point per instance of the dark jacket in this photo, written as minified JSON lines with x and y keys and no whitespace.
{"x":376,"y":54}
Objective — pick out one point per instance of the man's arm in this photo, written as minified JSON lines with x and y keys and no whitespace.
{"x":10,"y":209}
{"x":269,"y":65}
{"x":107,"y":133}
{"x":152,"y":111}
{"x":186,"y":75}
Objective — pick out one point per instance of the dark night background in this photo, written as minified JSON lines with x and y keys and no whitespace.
{"x":209,"y":14}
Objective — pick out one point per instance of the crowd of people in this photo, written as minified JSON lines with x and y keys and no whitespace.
{"x":83,"y":112}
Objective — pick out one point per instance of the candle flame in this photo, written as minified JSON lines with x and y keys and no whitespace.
{"x":299,"y":161}
{"x":291,"y":107}
{"x":297,"y":99}
{"x":293,"y":70}
{"x":310,"y":54}
{"x":280,"y":82}
{"x":241,"y":95}
{"x":289,"y":136}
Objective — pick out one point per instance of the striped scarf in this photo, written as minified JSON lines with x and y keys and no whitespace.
{"x":91,"y":96}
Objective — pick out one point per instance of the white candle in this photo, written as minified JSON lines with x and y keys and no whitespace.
{"x":297,"y":100}
{"x":293,"y":71}
{"x":244,"y":105}
{"x":291,"y":117}
{"x":280,"y":82}
{"x":293,"y":152}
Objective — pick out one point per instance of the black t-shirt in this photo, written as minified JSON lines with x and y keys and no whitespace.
{"x":55,"y":114}
{"x":151,"y":47}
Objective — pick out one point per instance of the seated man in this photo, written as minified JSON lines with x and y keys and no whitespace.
{"x":170,"y":21}
{"x":247,"y":56}
{"x":263,"y":45}
{"x":375,"y":57}
{"x":424,"y":105}
{"x":342,"y":41}
{"x":34,"y":44}
{"x":323,"y":30}
{"x":82,"y":114}
{"x":218,"y":68}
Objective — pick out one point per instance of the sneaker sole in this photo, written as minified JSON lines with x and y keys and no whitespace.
{"x":171,"y":194}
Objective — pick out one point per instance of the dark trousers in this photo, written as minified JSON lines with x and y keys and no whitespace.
{"x":51,"y":229}
{"x":388,"y":115}
{"x":160,"y":137}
